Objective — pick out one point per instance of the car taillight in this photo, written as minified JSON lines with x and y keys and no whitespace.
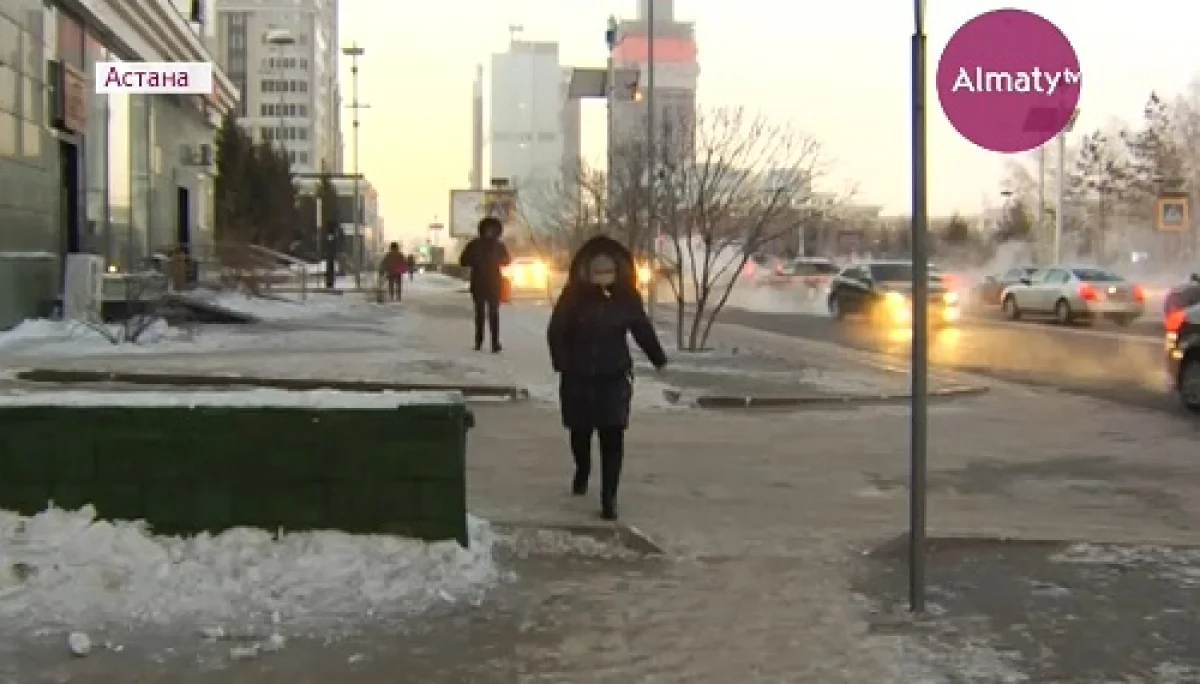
{"x":1174,"y":320}
{"x":1139,"y":294}
{"x":1087,"y":293}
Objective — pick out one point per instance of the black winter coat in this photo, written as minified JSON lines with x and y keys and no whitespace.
{"x":486,"y":257}
{"x":588,"y":339}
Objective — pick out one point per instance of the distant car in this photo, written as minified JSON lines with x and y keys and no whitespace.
{"x":528,"y":273}
{"x":882,"y":291}
{"x":1183,"y":354}
{"x":1182,"y":296}
{"x":989,"y":291}
{"x":1075,"y":294}
{"x":814,"y":274}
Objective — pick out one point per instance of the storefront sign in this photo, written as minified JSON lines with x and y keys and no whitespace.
{"x":1171,"y":213}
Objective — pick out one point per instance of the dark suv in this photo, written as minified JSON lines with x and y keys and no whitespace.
{"x":1183,"y":354}
{"x":882,"y":291}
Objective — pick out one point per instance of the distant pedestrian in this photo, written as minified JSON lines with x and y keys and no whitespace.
{"x":412,"y":266}
{"x":392,"y":268}
{"x":593,"y":317}
{"x":486,"y":256}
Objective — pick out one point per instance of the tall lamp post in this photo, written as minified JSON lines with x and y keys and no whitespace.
{"x":1061,"y":189}
{"x":651,"y":162}
{"x":354,"y":52}
{"x":919,"y":418}
{"x":610,"y":96}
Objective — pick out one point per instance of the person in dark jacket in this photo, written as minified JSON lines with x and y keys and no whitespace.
{"x":412,"y":266}
{"x":599,"y":307}
{"x":486,"y":256}
{"x":392,"y":269}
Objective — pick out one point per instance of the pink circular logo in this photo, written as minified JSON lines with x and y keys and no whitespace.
{"x":1009,"y":81}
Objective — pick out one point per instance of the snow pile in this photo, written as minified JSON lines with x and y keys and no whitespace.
{"x":317,"y":305}
{"x":68,"y":569}
{"x":74,"y":337}
{"x":434,"y":282}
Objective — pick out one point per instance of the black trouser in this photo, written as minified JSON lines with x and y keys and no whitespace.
{"x":395,"y":287}
{"x":612,"y":455}
{"x":487,"y":306}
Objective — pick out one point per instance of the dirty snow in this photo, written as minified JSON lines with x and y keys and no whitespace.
{"x":66,"y":569}
{"x":249,"y":398}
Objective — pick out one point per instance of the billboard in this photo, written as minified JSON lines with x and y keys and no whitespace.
{"x":1171,"y":213}
{"x":468,"y":207}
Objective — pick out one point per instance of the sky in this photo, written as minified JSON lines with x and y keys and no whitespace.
{"x":838,"y":71}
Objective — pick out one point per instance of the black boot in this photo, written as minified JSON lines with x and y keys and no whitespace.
{"x":610,"y":479}
{"x":581,"y":452}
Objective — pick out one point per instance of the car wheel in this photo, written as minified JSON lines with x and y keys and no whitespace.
{"x":1062,"y":312}
{"x":1189,"y":383}
{"x":1011,"y":309}
{"x":835,"y":307}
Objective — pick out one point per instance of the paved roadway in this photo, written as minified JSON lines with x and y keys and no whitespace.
{"x":1119,"y":364}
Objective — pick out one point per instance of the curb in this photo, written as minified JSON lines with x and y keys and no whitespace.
{"x":718,"y":401}
{"x":897,"y":547}
{"x":620,"y":534}
{"x":50,"y":375}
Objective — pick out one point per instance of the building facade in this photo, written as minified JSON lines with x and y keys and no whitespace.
{"x":676,"y":76}
{"x":282,"y":55}
{"x":117,"y":175}
{"x":526,"y":109}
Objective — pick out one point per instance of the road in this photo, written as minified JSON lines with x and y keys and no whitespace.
{"x":1117,"y":364}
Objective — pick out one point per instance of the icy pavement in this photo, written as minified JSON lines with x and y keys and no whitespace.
{"x":1055,"y":613}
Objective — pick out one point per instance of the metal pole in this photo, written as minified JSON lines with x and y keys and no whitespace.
{"x":354,"y":53}
{"x":1039,"y":219}
{"x":610,"y":94}
{"x":920,"y":322}
{"x":1060,"y":202}
{"x":651,"y":162}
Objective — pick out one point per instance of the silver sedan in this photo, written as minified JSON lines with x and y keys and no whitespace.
{"x":1075,"y":293}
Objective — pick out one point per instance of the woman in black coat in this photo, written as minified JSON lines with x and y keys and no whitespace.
{"x":597,"y":310}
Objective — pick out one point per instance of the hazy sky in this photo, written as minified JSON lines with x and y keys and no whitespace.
{"x":839,"y":71}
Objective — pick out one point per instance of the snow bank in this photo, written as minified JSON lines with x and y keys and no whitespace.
{"x":318,"y":305}
{"x":770,"y":299}
{"x":250,"y":398}
{"x":68,"y":569}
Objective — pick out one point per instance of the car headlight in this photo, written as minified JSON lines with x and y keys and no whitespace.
{"x":643,"y":275}
{"x":950,"y":298}
{"x":895,"y":299}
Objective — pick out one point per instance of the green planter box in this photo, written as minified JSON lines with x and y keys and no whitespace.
{"x":359,"y":463}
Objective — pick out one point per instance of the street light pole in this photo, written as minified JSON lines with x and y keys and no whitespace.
{"x":651,"y":161}
{"x":919,"y":418}
{"x":1061,"y":203}
{"x":610,"y":94}
{"x":354,"y":52}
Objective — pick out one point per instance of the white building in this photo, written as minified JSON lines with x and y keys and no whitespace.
{"x":289,"y":90}
{"x":526,"y":131}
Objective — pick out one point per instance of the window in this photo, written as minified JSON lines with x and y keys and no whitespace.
{"x":303,"y":63}
{"x":1096,"y":275}
{"x":8,"y":135}
{"x":303,"y":157}
{"x":301,"y":133}
{"x":266,"y":110}
{"x":302,"y":110}
{"x":8,"y":88}
{"x":268,"y":134}
{"x":302,"y":86}
{"x":1056,"y":277}
{"x":891,"y":273}
{"x":268,"y":86}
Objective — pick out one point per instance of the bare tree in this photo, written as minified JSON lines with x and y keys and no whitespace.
{"x":728,"y":181}
{"x":563,"y":214}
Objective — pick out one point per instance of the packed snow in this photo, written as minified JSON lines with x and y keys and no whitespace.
{"x":69,"y":570}
{"x":249,"y":398}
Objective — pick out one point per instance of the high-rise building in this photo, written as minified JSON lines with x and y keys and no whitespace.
{"x":283,"y":57}
{"x":676,"y":74}
{"x":525,"y":131}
